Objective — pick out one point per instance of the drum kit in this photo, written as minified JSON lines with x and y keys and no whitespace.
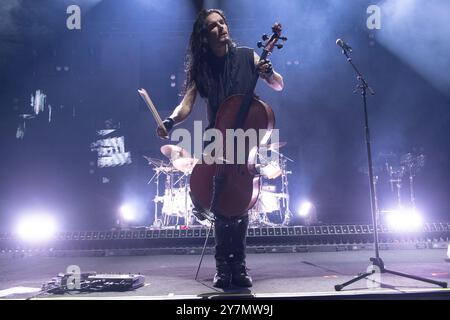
{"x":173,"y":207}
{"x":410,"y":165}
{"x":396,"y":168}
{"x":272,"y":207}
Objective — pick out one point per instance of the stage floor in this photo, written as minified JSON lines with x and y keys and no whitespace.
{"x":275,"y":275}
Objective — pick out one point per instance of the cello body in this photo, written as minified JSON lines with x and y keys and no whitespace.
{"x":240,"y":185}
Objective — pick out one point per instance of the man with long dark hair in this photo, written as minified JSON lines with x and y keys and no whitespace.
{"x":216,"y":69}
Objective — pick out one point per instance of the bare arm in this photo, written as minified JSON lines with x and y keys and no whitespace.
{"x":182,"y":111}
{"x":275,"y":81}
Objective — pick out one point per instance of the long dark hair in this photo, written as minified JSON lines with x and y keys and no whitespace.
{"x":196,"y":65}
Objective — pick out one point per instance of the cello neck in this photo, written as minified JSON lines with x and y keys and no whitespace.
{"x":270,"y":43}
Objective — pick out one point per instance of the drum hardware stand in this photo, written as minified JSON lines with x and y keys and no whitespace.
{"x":398,"y":185}
{"x":266,"y":222}
{"x":184,"y":184}
{"x":413,"y":165}
{"x":169,"y":186}
{"x":285,"y":188}
{"x":376,"y":261}
{"x":187,"y":215}
{"x":396,"y":179}
{"x":175,"y":198}
{"x":411,"y":190}
{"x":157,"y":222}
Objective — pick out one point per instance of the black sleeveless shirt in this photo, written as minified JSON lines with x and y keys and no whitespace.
{"x":230,"y":75}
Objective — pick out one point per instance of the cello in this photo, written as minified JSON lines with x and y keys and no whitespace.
{"x":231,"y":189}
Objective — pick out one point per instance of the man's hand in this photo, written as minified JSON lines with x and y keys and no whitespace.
{"x":168,"y":124}
{"x":264,"y":69}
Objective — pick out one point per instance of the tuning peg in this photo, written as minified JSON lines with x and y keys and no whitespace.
{"x":259,"y":44}
{"x":265,"y":37}
{"x":279,"y":46}
{"x":283,"y":38}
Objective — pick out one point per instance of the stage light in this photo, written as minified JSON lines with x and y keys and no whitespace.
{"x":128,"y":212}
{"x":305,"y":209}
{"x":404,"y":220}
{"x":307,"y":213}
{"x":36,"y":227}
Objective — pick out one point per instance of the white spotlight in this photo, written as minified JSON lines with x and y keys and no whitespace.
{"x":36,"y":227}
{"x":404,"y":220}
{"x":305,"y":209}
{"x":128,"y":212}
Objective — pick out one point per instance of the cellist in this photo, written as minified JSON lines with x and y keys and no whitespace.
{"x":216,"y":69}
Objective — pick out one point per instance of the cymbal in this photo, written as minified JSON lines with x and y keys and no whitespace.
{"x":166,"y":169}
{"x":27,"y":116}
{"x":185,"y":164}
{"x":273,"y":146}
{"x":386,"y":156}
{"x":174,"y":152}
{"x":378,"y":170}
{"x":154,"y":161}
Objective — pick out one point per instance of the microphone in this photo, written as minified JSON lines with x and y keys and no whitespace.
{"x":343,"y":45}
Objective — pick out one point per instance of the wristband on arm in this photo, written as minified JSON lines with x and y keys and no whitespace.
{"x":168,"y":123}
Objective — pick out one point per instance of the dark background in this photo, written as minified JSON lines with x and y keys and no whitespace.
{"x":124,"y":45}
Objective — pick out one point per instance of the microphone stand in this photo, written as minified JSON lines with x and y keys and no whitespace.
{"x":363,"y":87}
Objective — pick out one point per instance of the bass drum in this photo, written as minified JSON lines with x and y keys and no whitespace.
{"x":267,"y":209}
{"x":177,"y":203}
{"x":268,"y":200}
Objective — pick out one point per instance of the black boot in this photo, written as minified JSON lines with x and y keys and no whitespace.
{"x":222,"y":278}
{"x":239,"y":275}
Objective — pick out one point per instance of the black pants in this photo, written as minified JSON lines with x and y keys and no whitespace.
{"x":230,"y":237}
